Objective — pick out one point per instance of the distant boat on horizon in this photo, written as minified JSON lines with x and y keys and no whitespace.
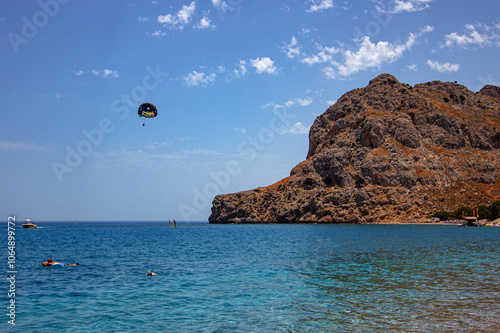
{"x":28,"y":223}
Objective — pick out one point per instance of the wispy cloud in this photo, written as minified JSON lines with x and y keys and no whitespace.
{"x":401,"y":6}
{"x":288,"y":104}
{"x":221,"y":5}
{"x":153,"y":160}
{"x":325,"y":54}
{"x":472,"y":36}
{"x":443,"y":67}
{"x":166,"y":143}
{"x":180,"y":19}
{"x":199,"y":79}
{"x":304,"y":101}
{"x":342,"y":62}
{"x":261,"y":65}
{"x":293,"y":49}
{"x":205,"y":23}
{"x":158,"y":33}
{"x":22,"y":146}
{"x":239,"y":71}
{"x":296,"y":128}
{"x":412,"y":67}
{"x":319,"y":5}
{"x":103,"y":73}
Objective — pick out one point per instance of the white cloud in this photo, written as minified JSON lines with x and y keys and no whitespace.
{"x":184,"y":15}
{"x":238,"y":72}
{"x":296,"y":128}
{"x":143,"y":19}
{"x":325,"y":54}
{"x":342,"y":62}
{"x":471,"y":36}
{"x":105,"y":73}
{"x":158,"y":33}
{"x":400,"y":6}
{"x":205,"y":23}
{"x":264,"y":65}
{"x":412,"y":67}
{"x":180,"y":19}
{"x":288,"y":104}
{"x":272,"y":105}
{"x":443,"y":67}
{"x":220,"y":5}
{"x":306,"y":31}
{"x":22,"y":146}
{"x":426,"y":29}
{"x":372,"y":55}
{"x":329,"y":72}
{"x":199,"y":79}
{"x":109,"y":72}
{"x":319,"y":5}
{"x":165,"y":19}
{"x":242,"y":68}
{"x":304,"y":101}
{"x":292,"y":49}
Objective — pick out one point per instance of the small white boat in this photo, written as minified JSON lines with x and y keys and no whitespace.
{"x":28,"y":223}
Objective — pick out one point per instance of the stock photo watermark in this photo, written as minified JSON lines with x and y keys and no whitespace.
{"x":12,"y":269}
{"x":94,"y":137}
{"x":222,"y":178}
{"x":30,"y":28}
{"x":374,"y":27}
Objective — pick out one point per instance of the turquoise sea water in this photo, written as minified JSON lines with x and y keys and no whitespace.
{"x":255,"y":278}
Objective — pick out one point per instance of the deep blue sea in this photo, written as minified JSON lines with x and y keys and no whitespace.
{"x":254,"y":278}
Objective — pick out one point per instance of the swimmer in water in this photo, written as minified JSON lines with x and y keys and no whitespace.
{"x":50,"y":262}
{"x":150,"y":273}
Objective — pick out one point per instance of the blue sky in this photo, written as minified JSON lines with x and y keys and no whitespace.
{"x":237,"y":84}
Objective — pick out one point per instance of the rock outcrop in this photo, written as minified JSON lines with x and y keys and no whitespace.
{"x":386,"y":152}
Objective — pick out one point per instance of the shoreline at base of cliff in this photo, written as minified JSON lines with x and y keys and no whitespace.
{"x":483,"y":223}
{"x":385,"y":152}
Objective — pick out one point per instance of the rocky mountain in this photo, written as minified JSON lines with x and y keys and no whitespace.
{"x":386,"y":152}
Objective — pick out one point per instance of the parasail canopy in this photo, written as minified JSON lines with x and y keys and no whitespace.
{"x":147,"y":110}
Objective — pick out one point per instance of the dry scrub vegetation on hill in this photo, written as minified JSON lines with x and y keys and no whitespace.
{"x":386,"y":152}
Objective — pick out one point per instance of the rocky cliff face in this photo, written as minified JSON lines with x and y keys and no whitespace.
{"x":386,"y":152}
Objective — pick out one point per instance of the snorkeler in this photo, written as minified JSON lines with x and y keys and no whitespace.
{"x":150,"y":273}
{"x":50,"y":262}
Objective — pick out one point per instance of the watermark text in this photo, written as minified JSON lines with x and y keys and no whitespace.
{"x":12,"y":270}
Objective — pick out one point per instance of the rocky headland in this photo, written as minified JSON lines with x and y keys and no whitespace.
{"x":386,"y":152}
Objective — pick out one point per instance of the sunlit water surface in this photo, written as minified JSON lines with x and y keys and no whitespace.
{"x":255,"y":278}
